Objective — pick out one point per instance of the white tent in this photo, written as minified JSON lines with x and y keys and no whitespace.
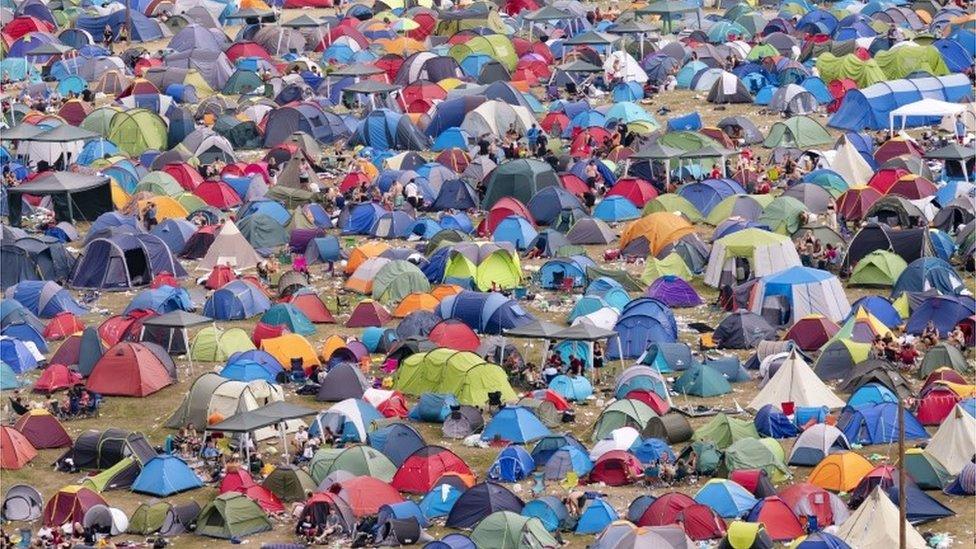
{"x":619,"y":439}
{"x":796,"y":382}
{"x":494,"y":117}
{"x":927,"y":107}
{"x":766,"y":253}
{"x":810,"y":292}
{"x":849,"y":164}
{"x":230,"y":248}
{"x":968,"y":118}
{"x":955,"y":442}
{"x":875,"y":525}
{"x":622,"y":65}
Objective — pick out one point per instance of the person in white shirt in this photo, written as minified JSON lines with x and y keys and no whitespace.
{"x":412,"y":192}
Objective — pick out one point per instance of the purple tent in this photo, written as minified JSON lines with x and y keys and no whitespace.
{"x":674,"y":292}
{"x":299,"y":238}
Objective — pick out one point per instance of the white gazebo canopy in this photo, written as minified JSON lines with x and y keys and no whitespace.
{"x":926,"y":107}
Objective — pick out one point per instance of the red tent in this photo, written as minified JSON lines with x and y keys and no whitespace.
{"x":124,"y":327}
{"x":505,"y":207}
{"x":368,"y":313}
{"x":755,"y":480}
{"x":57,"y":377}
{"x":421,"y":95}
{"x":555,"y":122}
{"x":616,"y":468}
{"x":353,"y":180}
{"x":183,"y":173}
{"x":805,"y":499}
{"x":22,"y":25}
{"x":912,"y":187}
{"x":650,"y":398}
{"x":365,"y":495}
{"x":580,"y":143}
{"x":454,"y":334}
{"x":15,"y":449}
{"x":572,"y":183}
{"x":219,"y":276}
{"x":637,"y":190}
{"x":897,"y":147}
{"x":853,"y":203}
{"x":313,"y":307}
{"x":837,"y":89}
{"x":665,"y":509}
{"x":218,"y":194}
{"x":70,"y":505}
{"x":944,"y":374}
{"x":555,"y":398}
{"x":811,"y":333}
{"x":885,"y":178}
{"x":264,"y":331}
{"x":236,"y":481}
{"x":263,"y":497}
{"x":246,"y":49}
{"x":455,"y":159}
{"x":422,"y":469}
{"x":427,"y":22}
{"x":74,"y":111}
{"x":62,"y":325}
{"x":129,"y":369}
{"x":701,"y":522}
{"x":67,"y":353}
{"x":164,"y":278}
{"x":394,"y":406}
{"x":514,"y":7}
{"x":935,"y":402}
{"x":42,"y":430}
{"x":390,"y":63}
{"x":780,"y":521}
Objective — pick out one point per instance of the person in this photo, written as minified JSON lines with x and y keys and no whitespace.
{"x":533,"y":135}
{"x":930,"y":335}
{"x":575,"y":366}
{"x":597,"y":362}
{"x":957,"y":337}
{"x":907,"y":355}
{"x":830,"y":256}
{"x":149,"y":216}
{"x":107,"y":37}
{"x":412,"y":192}
{"x":574,"y":502}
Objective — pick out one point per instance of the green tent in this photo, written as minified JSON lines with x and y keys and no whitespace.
{"x":708,"y":457}
{"x":927,"y":471}
{"x":148,"y":518}
{"x":289,"y":483}
{"x":159,"y":183}
{"x":723,"y":430}
{"x":761,"y":51}
{"x":396,"y":280}
{"x":671,"y":264}
{"x":878,"y":268}
{"x":110,"y":478}
{"x":626,"y":412}
{"x":520,"y":179}
{"x":508,"y":530}
{"x":463,"y":374}
{"x":211,"y":344}
{"x":754,"y":453}
{"x":900,"y":62}
{"x":782,"y":215}
{"x":190,"y":201}
{"x":864,"y":72}
{"x":133,"y":131}
{"x":360,"y":460}
{"x":737,"y":203}
{"x":497,"y":46}
{"x":943,"y":355}
{"x":671,"y":202}
{"x":801,"y":132}
{"x":703,"y":381}
{"x":263,"y":231}
{"x":232,"y":515}
{"x":628,"y":282}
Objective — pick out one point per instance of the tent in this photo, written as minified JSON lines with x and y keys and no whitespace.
{"x":421,"y":470}
{"x":875,"y":525}
{"x":232,"y":515}
{"x":870,"y":107}
{"x":42,"y":430}
{"x":800,"y":132}
{"x":44,"y":299}
{"x":724,"y":430}
{"x":878,"y":424}
{"x":510,"y":529}
{"x":229,"y":247}
{"x":480,"y":501}
{"x":512,"y":464}
{"x":148,"y":518}
{"x":817,"y":442}
{"x":15,"y":451}
{"x":749,"y":253}
{"x":795,"y":382}
{"x":519,"y":179}
{"x":73,"y":196}
{"x":130,"y":369}
{"x":703,"y":381}
{"x":840,"y":472}
{"x":726,"y":497}
{"x":165,"y":475}
{"x":778,"y":519}
{"x":124,"y":261}
{"x":22,"y":502}
{"x":954,"y":443}
{"x":514,"y":424}
{"x":742,"y":330}
{"x":70,"y":504}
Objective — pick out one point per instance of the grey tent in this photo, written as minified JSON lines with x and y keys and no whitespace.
{"x":106,"y":520}
{"x":814,"y":197}
{"x":343,"y":381}
{"x":740,"y":127}
{"x":590,"y":230}
{"x":74,"y":196}
{"x":34,"y":258}
{"x":180,"y":519}
{"x":22,"y":503}
{"x":793,"y":99}
{"x":546,"y":411}
{"x":169,"y":330}
{"x":728,"y":88}
{"x":672,"y":427}
{"x":742,"y":330}
{"x":462,"y":422}
{"x":548,"y":242}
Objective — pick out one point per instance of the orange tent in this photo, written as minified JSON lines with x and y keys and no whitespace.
{"x":840,"y":472}
{"x":331,"y":344}
{"x":15,"y":450}
{"x":659,"y":229}
{"x":289,"y":346}
{"x":443,"y":290}
{"x":363,"y":252}
{"x":417,"y":301}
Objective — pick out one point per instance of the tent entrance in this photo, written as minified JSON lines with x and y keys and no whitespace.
{"x":137,"y":267}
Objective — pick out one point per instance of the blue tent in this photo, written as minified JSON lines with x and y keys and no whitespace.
{"x":439,"y":501}
{"x":596,"y":515}
{"x":401,"y":511}
{"x":433,"y":407}
{"x":27,"y":333}
{"x":550,"y":511}
{"x":361,"y":218}
{"x":701,"y":380}
{"x":96,"y":149}
{"x":583,"y":120}
{"x":667,"y":357}
{"x":455,"y":194}
{"x":726,"y":497}
{"x":289,"y":316}
{"x":249,"y":370}
{"x":453,"y":137}
{"x":881,"y":308}
{"x":458,"y":221}
{"x":613,"y":209}
{"x":124,"y":261}
{"x":44,"y":298}
{"x":878,"y":424}
{"x":256,"y":355}
{"x":920,"y":506}
{"x":8,"y":378}
{"x":143,"y":29}
{"x":651,"y":450}
{"x":706,"y":194}
{"x":954,"y":54}
{"x":512,"y":464}
{"x":15,"y":354}
{"x":817,"y":88}
{"x":237,"y":300}
{"x":771,"y":422}
{"x":576,"y":388}
{"x":929,"y":273}
{"x":546,"y":447}
{"x":165,"y":475}
{"x":386,"y":129}
{"x":546,"y":205}
{"x":870,"y":394}
{"x":945,"y":311}
{"x":969,"y":405}
{"x":565,"y":459}
{"x":514,"y":424}
{"x":265,"y":206}
{"x":347,"y":421}
{"x":174,"y":232}
{"x":553,"y":272}
{"x":642,"y":322}
{"x":162,"y":300}
{"x":868,"y":108}
{"x":424,"y":228}
{"x":515,"y":230}
{"x":397,"y":441}
{"x":822,"y":540}
{"x":488,"y":313}
{"x":685,"y":122}
{"x":628,"y":91}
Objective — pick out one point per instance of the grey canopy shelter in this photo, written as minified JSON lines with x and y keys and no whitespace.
{"x":657,"y":152}
{"x":73,"y":196}
{"x":584,"y":331}
{"x":710,"y":151}
{"x":667,"y":9}
{"x":550,"y":13}
{"x":372,"y":89}
{"x":955,"y":152}
{"x":636,"y":30}
{"x":537,"y":329}
{"x":590,"y":38}
{"x":276,"y":413}
{"x":169,"y":330}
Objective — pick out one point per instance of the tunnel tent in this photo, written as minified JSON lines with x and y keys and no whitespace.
{"x":75,"y":197}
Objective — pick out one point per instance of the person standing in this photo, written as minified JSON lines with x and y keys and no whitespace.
{"x":107,"y":35}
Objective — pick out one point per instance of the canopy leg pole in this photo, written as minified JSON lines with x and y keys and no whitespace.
{"x":284,"y":439}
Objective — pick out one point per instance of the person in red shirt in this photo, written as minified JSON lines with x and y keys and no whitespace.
{"x":716,"y":173}
{"x":908,"y":355}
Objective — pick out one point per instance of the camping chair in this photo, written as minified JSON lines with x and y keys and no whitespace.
{"x":706,"y":341}
{"x":18,"y":408}
{"x":567,"y":284}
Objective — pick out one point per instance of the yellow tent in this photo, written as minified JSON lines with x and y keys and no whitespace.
{"x":331,"y":344}
{"x":119,"y":197}
{"x":166,"y":207}
{"x":659,"y":228}
{"x":286,"y":347}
